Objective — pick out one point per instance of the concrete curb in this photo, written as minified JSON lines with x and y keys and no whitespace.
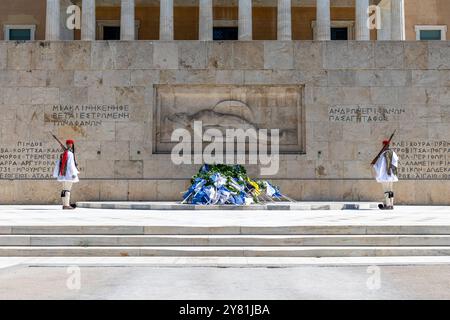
{"x":295,"y":206}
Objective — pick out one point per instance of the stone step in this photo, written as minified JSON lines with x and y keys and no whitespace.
{"x":227,"y":230}
{"x":316,"y":251}
{"x":172,"y":205}
{"x":224,"y":240}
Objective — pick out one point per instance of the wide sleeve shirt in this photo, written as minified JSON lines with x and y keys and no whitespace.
{"x":71,"y":172}
{"x":381,"y":170}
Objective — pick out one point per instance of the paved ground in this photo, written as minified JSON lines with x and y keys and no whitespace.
{"x":224,"y":278}
{"x":387,"y":282}
{"x":53,"y":215}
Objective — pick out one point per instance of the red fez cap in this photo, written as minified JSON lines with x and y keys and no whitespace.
{"x":70,"y":142}
{"x":385,"y":142}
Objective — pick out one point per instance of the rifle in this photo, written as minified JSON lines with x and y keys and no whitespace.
{"x":59,"y":141}
{"x":382,"y":150}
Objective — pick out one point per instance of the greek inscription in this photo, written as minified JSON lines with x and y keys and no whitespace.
{"x":28,"y":160}
{"x":423,"y":160}
{"x":86,"y":115}
{"x":363,"y":114}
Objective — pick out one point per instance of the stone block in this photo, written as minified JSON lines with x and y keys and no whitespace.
{"x":432,"y":192}
{"x":341,"y":78}
{"x":89,"y":150}
{"x":384,"y":95}
{"x":383,"y":78}
{"x":140,"y":55}
{"x":7,"y":192}
{"x":192,"y":55}
{"x":105,"y":132}
{"x":438,"y":131}
{"x":229,"y":77}
{"x":140,"y":150}
{"x":29,"y":78}
{"x":143,"y":78}
{"x":123,"y":55}
{"x":357,"y":170}
{"x":17,"y":95}
{"x":60,"y":78}
{"x":356,"y":132}
{"x":130,"y":96}
{"x":324,"y":131}
{"x":117,"y":78}
{"x":416,"y":55}
{"x":38,"y":192}
{"x":329,"y":169}
{"x":439,"y":55}
{"x":195,"y":76}
{"x":99,"y":169}
{"x":74,"y":95}
{"x":88,"y":78}
{"x":100,"y":94}
{"x":114,"y":190}
{"x":117,"y":150}
{"x":248,"y":55}
{"x":86,"y":190}
{"x":7,"y":112}
{"x":308,"y":55}
{"x":413,"y":130}
{"x":128,"y":169}
{"x":349,"y":95}
{"x":47,"y":55}
{"x":75,"y":55}
{"x":3,"y":56}
{"x":45,"y":95}
{"x":165,"y":55}
{"x":130,"y":131}
{"x":102,"y":57}
{"x":142,"y":190}
{"x":170,"y":190}
{"x":409,"y":95}
{"x":343,"y":150}
{"x":258,"y":76}
{"x":317,"y":78}
{"x":444,"y":95}
{"x":19,"y":55}
{"x":426,"y":78}
{"x":445,"y":114}
{"x":349,"y":55}
{"x":278,"y":55}
{"x":389,"y":55}
{"x":220,"y":55}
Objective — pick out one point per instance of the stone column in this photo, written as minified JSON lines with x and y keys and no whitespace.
{"x":205,"y":31}
{"x":397,"y":20}
{"x":166,"y":20}
{"x":361,"y":29}
{"x":127,"y":25}
{"x":52,"y":25}
{"x":323,"y":26}
{"x":245,"y":20}
{"x":88,"y":20}
{"x":284,"y":20}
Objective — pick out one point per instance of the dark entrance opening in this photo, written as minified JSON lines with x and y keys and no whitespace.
{"x":225,"y":33}
{"x":339,"y":33}
{"x":111,"y":33}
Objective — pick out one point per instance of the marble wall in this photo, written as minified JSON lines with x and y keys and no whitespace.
{"x":102,"y":94}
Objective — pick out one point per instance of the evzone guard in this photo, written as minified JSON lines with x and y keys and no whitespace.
{"x":66,"y":171}
{"x":385,"y":165}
